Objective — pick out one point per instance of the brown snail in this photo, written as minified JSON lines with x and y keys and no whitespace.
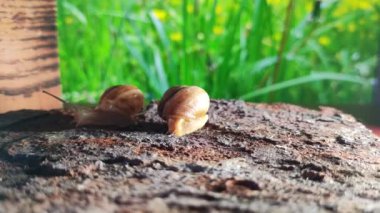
{"x":118,"y":106}
{"x":185,"y":109}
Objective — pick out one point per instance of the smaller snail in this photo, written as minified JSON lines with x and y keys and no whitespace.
{"x":185,"y":109}
{"x":118,"y":106}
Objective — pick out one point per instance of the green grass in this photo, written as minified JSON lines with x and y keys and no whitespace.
{"x":257,"y":50}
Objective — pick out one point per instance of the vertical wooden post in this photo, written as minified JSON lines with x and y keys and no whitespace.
{"x":28,"y":55}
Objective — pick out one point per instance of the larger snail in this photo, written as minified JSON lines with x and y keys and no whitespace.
{"x":185,"y":109}
{"x":118,"y":106}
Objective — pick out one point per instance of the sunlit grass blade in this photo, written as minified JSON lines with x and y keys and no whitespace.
{"x":120,"y":15}
{"x":153,"y":83}
{"x":319,"y":51}
{"x":184,"y":68}
{"x":160,"y":30}
{"x":75,"y":12}
{"x":263,"y":64}
{"x":230,"y":55}
{"x":166,"y":49}
{"x":162,"y":78}
{"x":314,"y":77}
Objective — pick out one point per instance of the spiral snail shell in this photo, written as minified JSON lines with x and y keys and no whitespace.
{"x":185,"y":109}
{"x":118,"y":106}
{"x":123,"y":99}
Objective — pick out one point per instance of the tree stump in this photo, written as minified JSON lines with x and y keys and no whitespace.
{"x":249,"y":157}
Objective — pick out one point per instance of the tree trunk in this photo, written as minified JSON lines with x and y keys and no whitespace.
{"x":248,"y":157}
{"x":28,"y":55}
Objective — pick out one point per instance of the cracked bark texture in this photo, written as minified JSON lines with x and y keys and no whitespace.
{"x":248,"y":157}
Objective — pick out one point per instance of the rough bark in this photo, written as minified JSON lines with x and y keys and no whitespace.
{"x":249,"y":157}
{"x":28,"y":54}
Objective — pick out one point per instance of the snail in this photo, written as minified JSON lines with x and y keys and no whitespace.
{"x":185,"y":109}
{"x":118,"y":106}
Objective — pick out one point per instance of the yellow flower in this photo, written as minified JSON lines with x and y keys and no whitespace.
{"x":277,"y":36}
{"x":217,"y":30}
{"x":351,"y":27}
{"x":309,"y":6}
{"x":190,"y":8}
{"x":176,"y":36}
{"x":347,"y":6}
{"x":340,"y":11}
{"x":363,"y":4}
{"x":324,"y":41}
{"x":218,"y":10}
{"x":175,"y":2}
{"x":160,"y":14}
{"x":69,"y":20}
{"x":274,"y":2}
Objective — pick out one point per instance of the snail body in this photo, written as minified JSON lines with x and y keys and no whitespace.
{"x":118,"y":106}
{"x":185,"y":109}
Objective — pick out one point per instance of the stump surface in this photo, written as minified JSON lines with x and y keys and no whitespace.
{"x":248,"y":157}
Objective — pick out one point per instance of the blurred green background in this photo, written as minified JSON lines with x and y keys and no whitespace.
{"x":296,"y":51}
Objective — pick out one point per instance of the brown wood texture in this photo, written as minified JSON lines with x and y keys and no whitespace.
{"x":247,"y":158}
{"x":28,"y":55}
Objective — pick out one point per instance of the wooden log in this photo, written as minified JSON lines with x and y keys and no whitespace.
{"x":248,"y":158}
{"x":28,"y":55}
